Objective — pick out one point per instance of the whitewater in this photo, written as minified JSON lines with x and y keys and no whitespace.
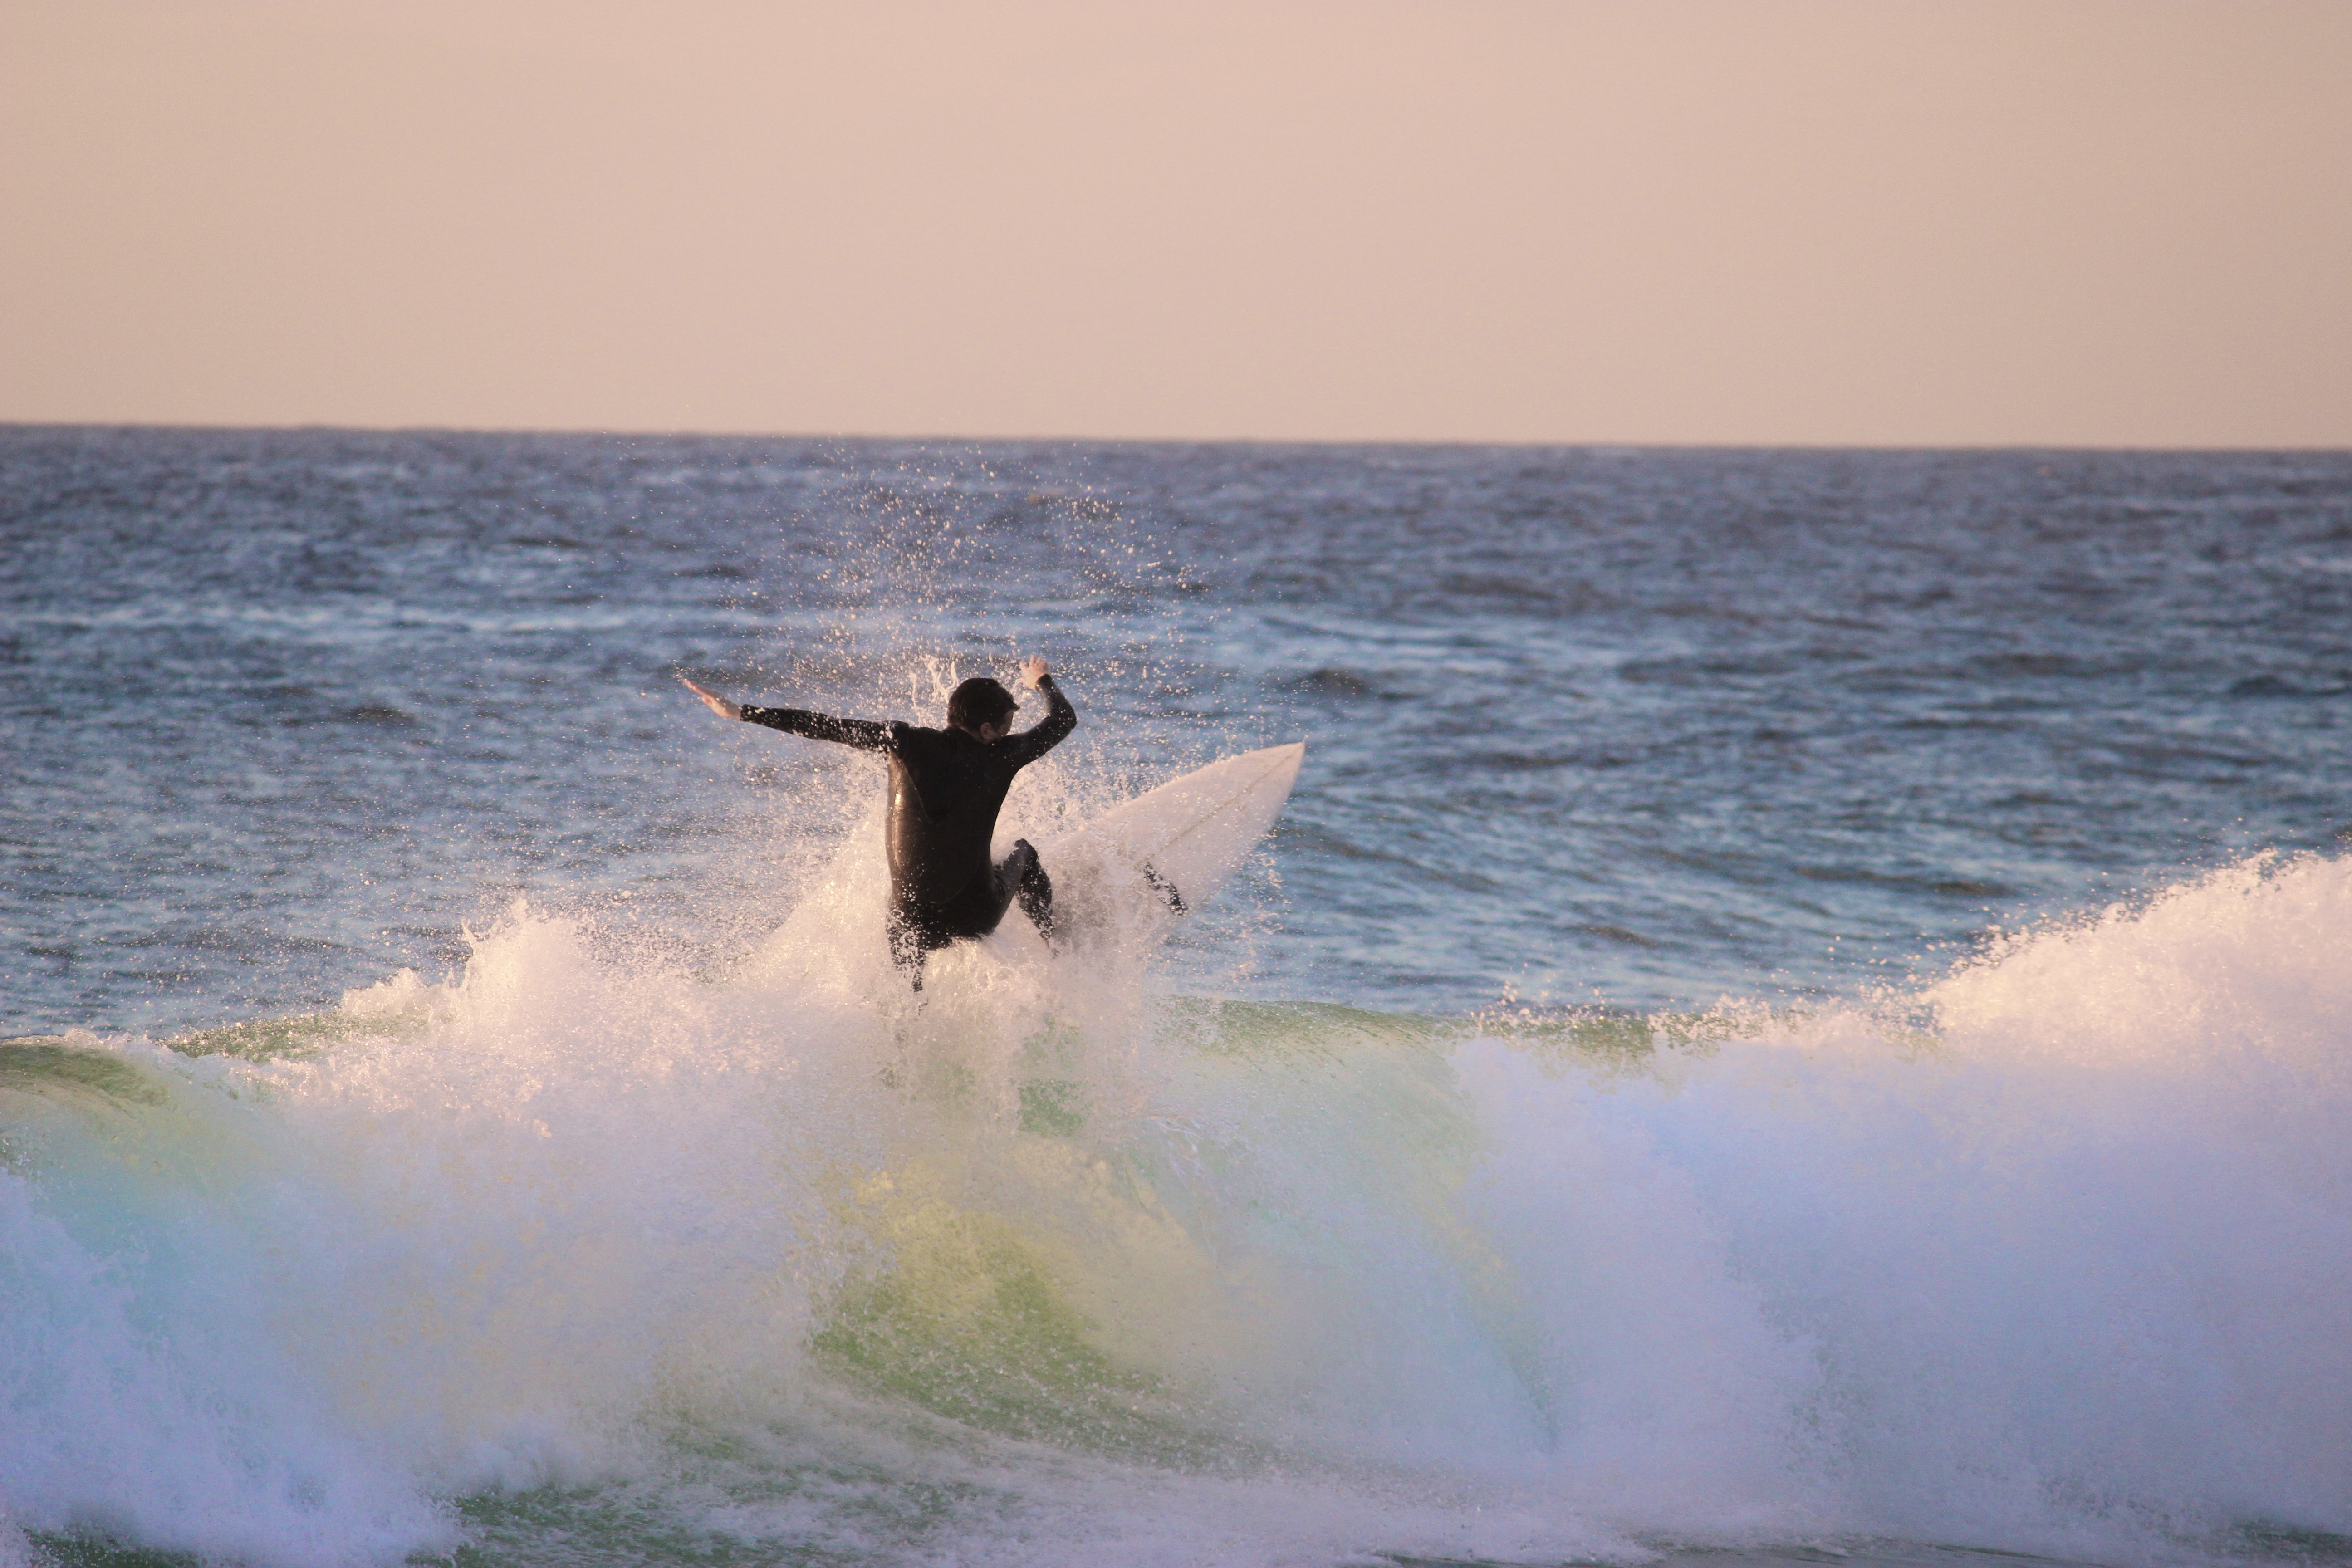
{"x":1802,"y":1011}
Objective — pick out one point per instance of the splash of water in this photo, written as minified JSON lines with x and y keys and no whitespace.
{"x":1055,"y":1266}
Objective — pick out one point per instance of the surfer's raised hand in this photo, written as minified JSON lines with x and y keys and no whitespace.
{"x":1032,"y":670}
{"x":716,"y":703}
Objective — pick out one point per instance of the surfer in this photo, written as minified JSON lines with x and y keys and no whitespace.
{"x":946,"y":786}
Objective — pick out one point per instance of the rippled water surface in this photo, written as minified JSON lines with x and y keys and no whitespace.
{"x":285,"y":710}
{"x":1799,"y":1013}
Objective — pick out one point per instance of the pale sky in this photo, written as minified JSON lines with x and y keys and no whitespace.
{"x":2079,"y":222}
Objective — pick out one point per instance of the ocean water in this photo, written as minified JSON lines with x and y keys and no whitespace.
{"x":1801,"y":1009}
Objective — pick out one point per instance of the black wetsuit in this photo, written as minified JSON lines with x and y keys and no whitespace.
{"x":946,"y":786}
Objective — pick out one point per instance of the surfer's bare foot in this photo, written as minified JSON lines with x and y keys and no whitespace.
{"x":712,"y":700}
{"x":1032,"y":670}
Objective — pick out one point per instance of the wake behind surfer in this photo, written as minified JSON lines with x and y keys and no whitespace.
{"x":946,"y":787}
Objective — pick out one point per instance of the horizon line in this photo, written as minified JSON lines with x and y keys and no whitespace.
{"x":934,"y":439}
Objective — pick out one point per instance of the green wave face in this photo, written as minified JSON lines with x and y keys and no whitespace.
{"x":53,"y":1068}
{"x":1126,"y":1285}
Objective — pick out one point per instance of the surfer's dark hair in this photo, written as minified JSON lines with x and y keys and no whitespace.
{"x":978,"y":702}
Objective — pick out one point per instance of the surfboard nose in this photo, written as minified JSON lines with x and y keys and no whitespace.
{"x":1285,"y":758}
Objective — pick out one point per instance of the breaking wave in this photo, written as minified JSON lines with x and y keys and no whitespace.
{"x":587,"y":1258}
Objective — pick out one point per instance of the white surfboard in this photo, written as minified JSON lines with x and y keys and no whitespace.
{"x":1138,"y":867}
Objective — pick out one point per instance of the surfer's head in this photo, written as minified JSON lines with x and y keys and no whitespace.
{"x":981,"y":706}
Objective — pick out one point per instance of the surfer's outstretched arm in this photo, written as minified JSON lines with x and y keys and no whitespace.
{"x":863,"y":733}
{"x":866,"y":734}
{"x":1059,"y":720}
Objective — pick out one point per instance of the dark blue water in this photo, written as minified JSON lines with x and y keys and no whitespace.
{"x":283,"y":710}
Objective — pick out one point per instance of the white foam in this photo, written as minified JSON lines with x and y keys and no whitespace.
{"x":2070,"y":1275}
